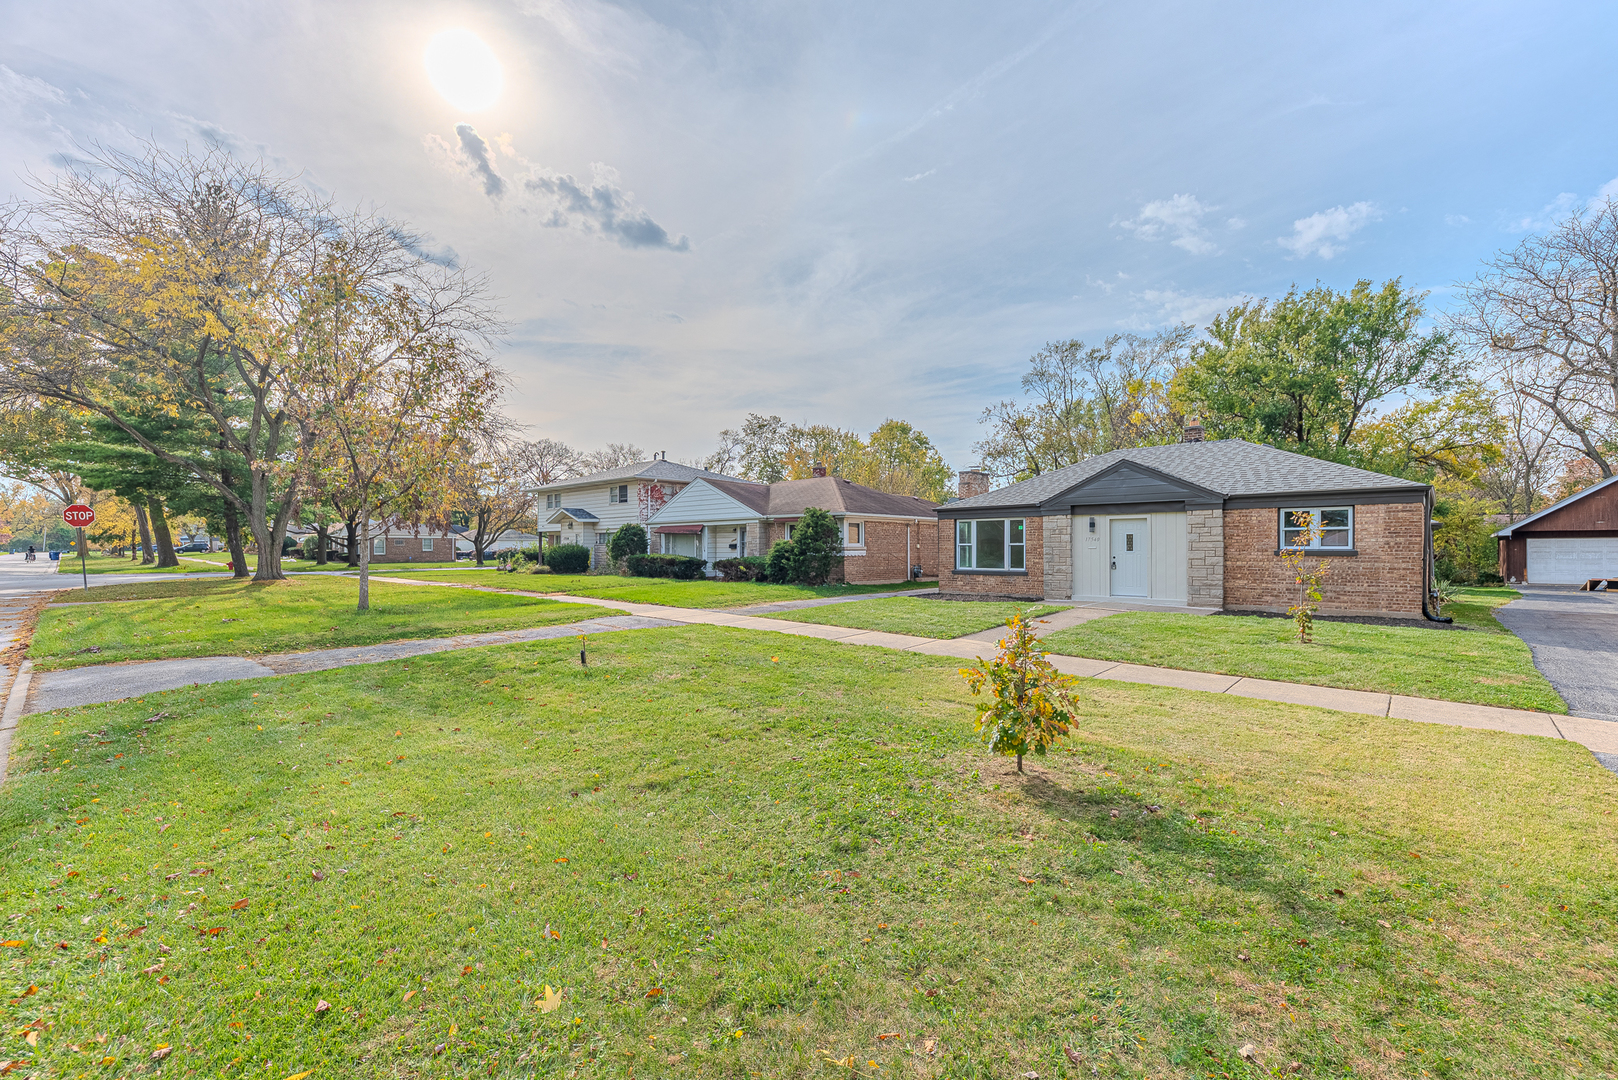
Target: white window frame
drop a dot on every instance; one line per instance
(1015, 552)
(855, 529)
(379, 545)
(1318, 512)
(426, 543)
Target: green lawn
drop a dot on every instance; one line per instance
(1487, 665)
(918, 615)
(299, 565)
(96, 563)
(236, 618)
(692, 594)
(739, 855)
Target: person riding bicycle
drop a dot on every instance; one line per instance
(30, 554)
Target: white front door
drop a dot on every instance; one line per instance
(1571, 560)
(1131, 557)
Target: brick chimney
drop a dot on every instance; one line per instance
(817, 470)
(974, 482)
(1193, 430)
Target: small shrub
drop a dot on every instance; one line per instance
(750, 568)
(1308, 580)
(679, 567)
(539, 568)
(626, 541)
(1028, 707)
(781, 565)
(568, 558)
(817, 546)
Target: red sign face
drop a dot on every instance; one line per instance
(78, 515)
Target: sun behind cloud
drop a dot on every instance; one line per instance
(464, 70)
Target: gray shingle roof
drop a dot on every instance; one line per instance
(790, 498)
(1229, 467)
(656, 469)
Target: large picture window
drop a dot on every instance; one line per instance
(993, 544)
(1334, 523)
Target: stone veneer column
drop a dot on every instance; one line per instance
(1058, 551)
(1205, 558)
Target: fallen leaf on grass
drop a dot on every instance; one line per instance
(300, 1076)
(30, 992)
(12, 944)
(890, 1035)
(32, 1038)
(1073, 1056)
(238, 905)
(162, 1052)
(408, 995)
(551, 934)
(1025, 880)
(136, 932)
(551, 1000)
(317, 875)
(656, 991)
(322, 1007)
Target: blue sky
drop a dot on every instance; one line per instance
(840, 213)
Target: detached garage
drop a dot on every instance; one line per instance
(1573, 542)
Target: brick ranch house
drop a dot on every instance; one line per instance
(1195, 524)
(884, 536)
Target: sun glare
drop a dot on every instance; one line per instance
(464, 70)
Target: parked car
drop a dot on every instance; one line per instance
(194, 546)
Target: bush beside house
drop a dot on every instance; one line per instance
(568, 558)
(680, 567)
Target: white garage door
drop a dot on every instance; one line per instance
(1568, 560)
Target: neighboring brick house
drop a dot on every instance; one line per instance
(1196, 524)
(885, 537)
(1572, 542)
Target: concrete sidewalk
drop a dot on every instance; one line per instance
(1599, 736)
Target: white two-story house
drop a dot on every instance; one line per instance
(588, 509)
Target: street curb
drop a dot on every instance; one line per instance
(15, 702)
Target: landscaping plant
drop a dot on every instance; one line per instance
(626, 541)
(1028, 707)
(817, 548)
(568, 558)
(1307, 580)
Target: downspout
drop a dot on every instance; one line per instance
(1427, 561)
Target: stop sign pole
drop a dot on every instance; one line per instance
(78, 515)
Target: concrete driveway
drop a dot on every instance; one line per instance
(1574, 636)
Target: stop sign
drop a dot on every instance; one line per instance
(78, 515)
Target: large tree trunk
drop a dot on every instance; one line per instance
(321, 541)
(353, 527)
(233, 541)
(267, 531)
(145, 534)
(365, 571)
(160, 532)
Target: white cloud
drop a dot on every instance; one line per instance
(919, 176)
(1179, 217)
(19, 89)
(1456, 220)
(1325, 232)
(1177, 307)
(1560, 207)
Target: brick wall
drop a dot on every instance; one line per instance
(410, 550)
(1205, 558)
(885, 559)
(1029, 586)
(1385, 578)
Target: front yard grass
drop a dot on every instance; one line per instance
(1485, 665)
(168, 619)
(922, 616)
(97, 563)
(736, 854)
(688, 594)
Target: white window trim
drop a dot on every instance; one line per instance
(379, 545)
(860, 544)
(973, 546)
(426, 543)
(1317, 511)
